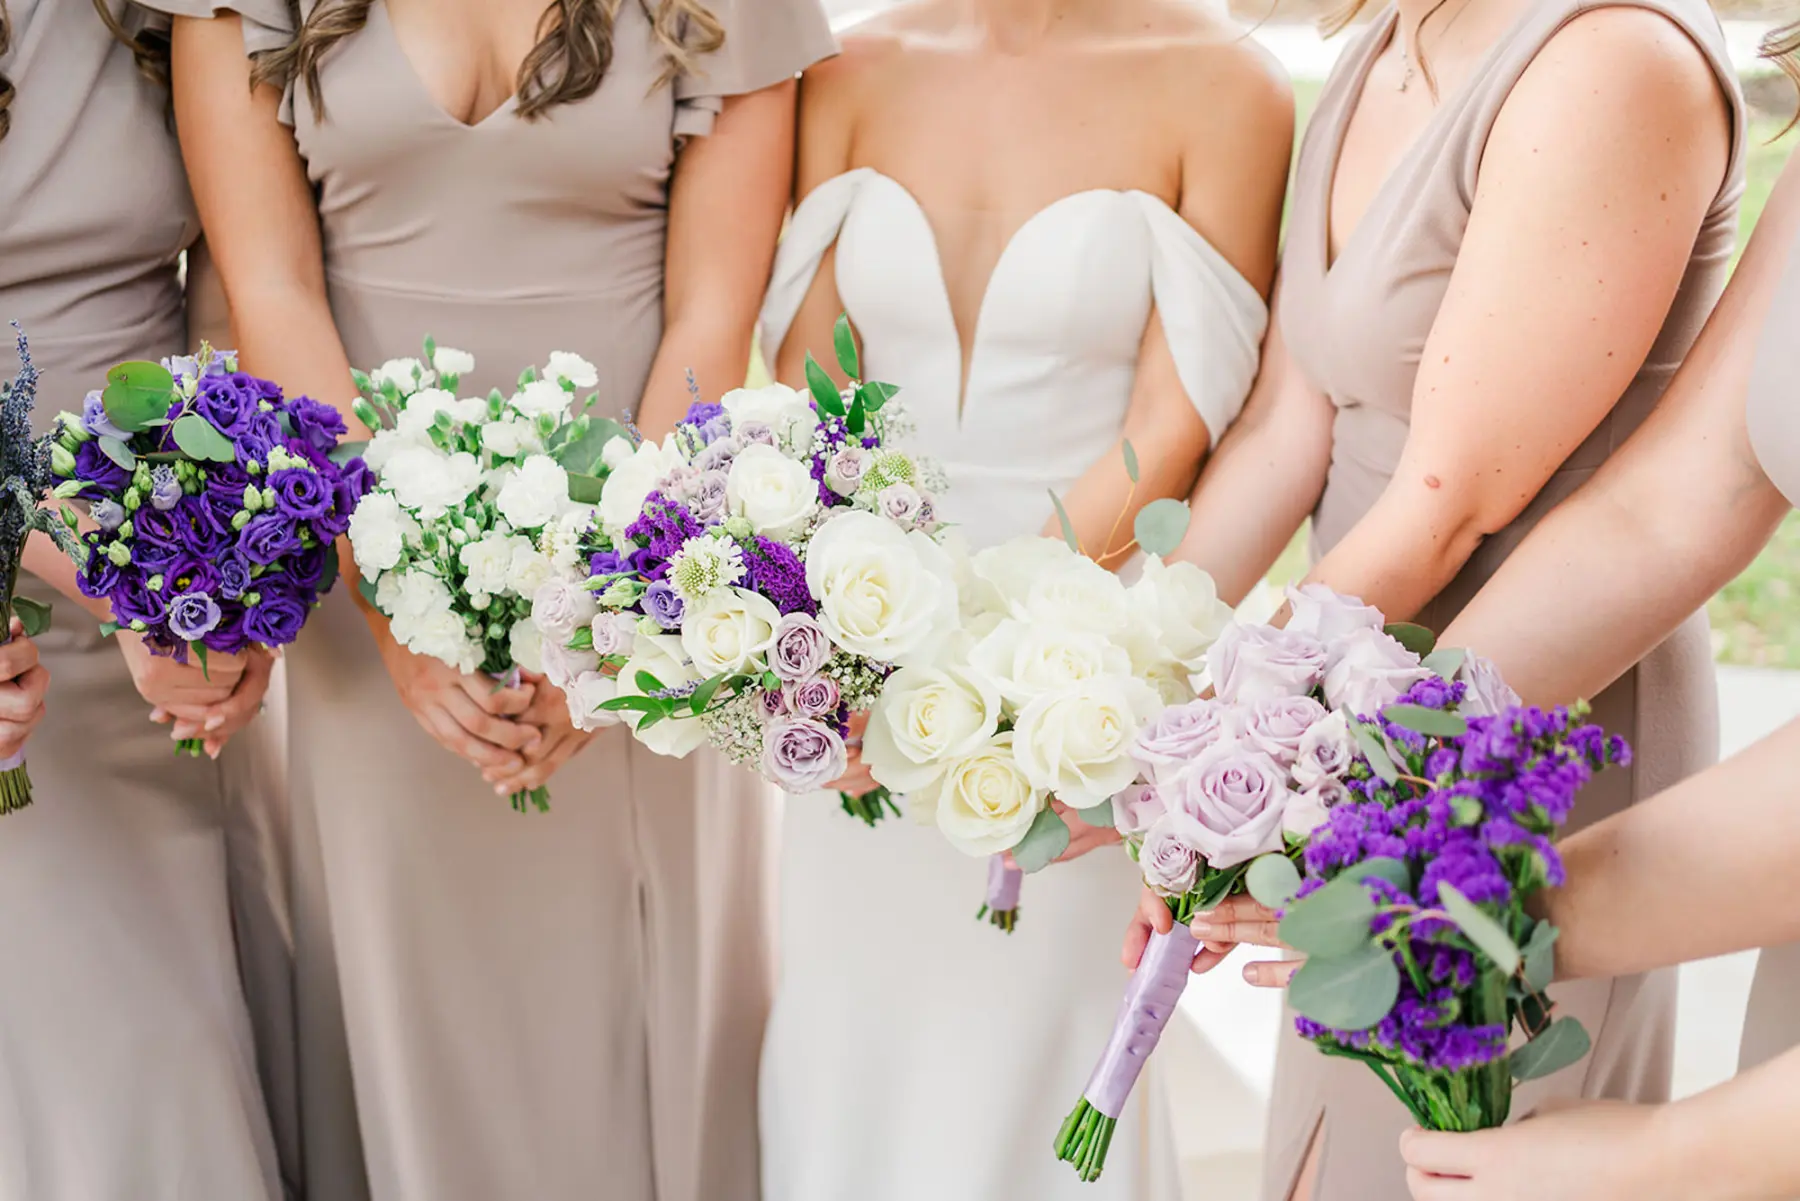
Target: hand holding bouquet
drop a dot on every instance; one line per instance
(761, 573)
(25, 481)
(479, 509)
(217, 503)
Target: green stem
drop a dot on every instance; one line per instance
(15, 790)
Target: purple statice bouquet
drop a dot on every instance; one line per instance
(214, 502)
(758, 576)
(1422, 958)
(24, 487)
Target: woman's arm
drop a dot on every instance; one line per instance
(726, 203)
(1669, 520)
(256, 205)
(1730, 1143)
(1236, 144)
(1579, 238)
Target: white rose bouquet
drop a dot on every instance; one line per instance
(757, 577)
(470, 542)
(1034, 708)
(1228, 789)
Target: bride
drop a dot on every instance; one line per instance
(1053, 223)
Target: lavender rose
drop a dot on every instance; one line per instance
(844, 470)
(1236, 796)
(300, 495)
(753, 433)
(772, 704)
(613, 633)
(1171, 857)
(1180, 735)
(709, 496)
(1369, 671)
(801, 648)
(1306, 811)
(1326, 751)
(1486, 693)
(1258, 663)
(560, 607)
(813, 698)
(1277, 727)
(802, 756)
(899, 503)
(1137, 809)
(664, 605)
(192, 615)
(1325, 615)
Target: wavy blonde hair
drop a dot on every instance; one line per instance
(1782, 47)
(150, 50)
(573, 52)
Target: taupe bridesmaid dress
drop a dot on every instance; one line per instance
(559, 1006)
(1772, 1023)
(127, 1071)
(1357, 327)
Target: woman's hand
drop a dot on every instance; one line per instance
(169, 685)
(1238, 920)
(216, 724)
(24, 682)
(856, 779)
(559, 741)
(1153, 917)
(1572, 1151)
(469, 716)
(1083, 837)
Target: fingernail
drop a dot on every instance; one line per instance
(1200, 929)
(213, 723)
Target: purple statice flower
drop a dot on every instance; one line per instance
(663, 605)
(663, 528)
(1433, 693)
(774, 571)
(95, 421)
(192, 615)
(165, 489)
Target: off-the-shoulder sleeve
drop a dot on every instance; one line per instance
(811, 231)
(766, 41)
(267, 25)
(1213, 317)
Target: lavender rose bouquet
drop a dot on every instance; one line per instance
(25, 481)
(217, 504)
(760, 574)
(1232, 786)
(1422, 957)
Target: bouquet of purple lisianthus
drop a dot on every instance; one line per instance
(216, 504)
(24, 487)
(1422, 957)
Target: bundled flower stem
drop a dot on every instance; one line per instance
(1005, 881)
(25, 481)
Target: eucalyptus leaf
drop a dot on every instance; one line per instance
(137, 394)
(343, 452)
(1486, 933)
(1415, 638)
(1273, 880)
(1161, 525)
(1068, 527)
(1540, 956)
(1434, 723)
(1563, 1044)
(119, 452)
(582, 454)
(200, 441)
(825, 393)
(1347, 992)
(1131, 461)
(1099, 816)
(33, 615)
(585, 489)
(1331, 922)
(845, 343)
(1374, 749)
(1047, 838)
(1382, 867)
(1446, 662)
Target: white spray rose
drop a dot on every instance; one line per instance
(429, 482)
(529, 569)
(776, 494)
(487, 561)
(985, 803)
(1077, 742)
(421, 412)
(379, 530)
(635, 474)
(925, 718)
(585, 694)
(542, 398)
(572, 368)
(452, 362)
(1028, 659)
(538, 492)
(525, 643)
(882, 592)
(729, 631)
(405, 374)
(507, 438)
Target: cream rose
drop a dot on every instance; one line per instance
(925, 718)
(1004, 574)
(775, 494)
(729, 631)
(985, 802)
(782, 409)
(661, 655)
(1079, 594)
(1027, 660)
(882, 592)
(634, 476)
(1077, 742)
(1179, 605)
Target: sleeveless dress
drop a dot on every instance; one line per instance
(127, 1070)
(914, 1051)
(550, 1006)
(1772, 1023)
(1357, 328)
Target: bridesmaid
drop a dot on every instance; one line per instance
(1480, 299)
(527, 1006)
(127, 1069)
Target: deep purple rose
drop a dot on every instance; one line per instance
(300, 495)
(197, 531)
(664, 606)
(192, 615)
(132, 600)
(228, 637)
(231, 402)
(101, 575)
(261, 434)
(319, 425)
(93, 467)
(349, 484)
(267, 538)
(234, 576)
(306, 566)
(276, 620)
(189, 574)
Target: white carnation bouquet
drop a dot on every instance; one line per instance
(1032, 711)
(480, 508)
(757, 576)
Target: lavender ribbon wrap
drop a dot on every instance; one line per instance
(12, 762)
(1003, 885)
(1150, 1001)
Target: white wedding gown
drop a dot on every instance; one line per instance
(915, 1053)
